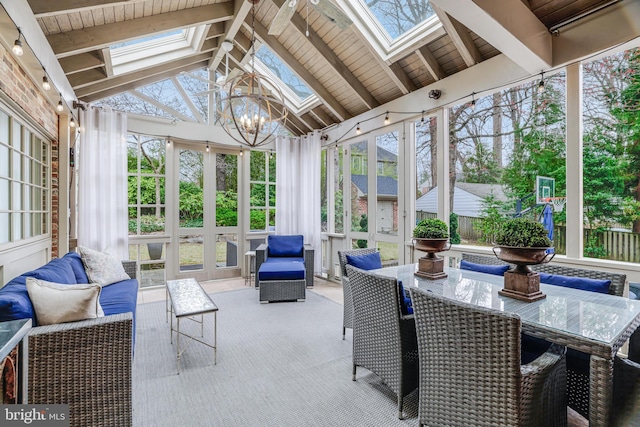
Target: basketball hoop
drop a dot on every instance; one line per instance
(557, 202)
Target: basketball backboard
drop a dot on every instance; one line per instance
(545, 188)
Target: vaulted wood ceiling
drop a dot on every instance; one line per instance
(339, 65)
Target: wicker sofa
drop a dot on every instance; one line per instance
(85, 364)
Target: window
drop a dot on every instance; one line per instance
(262, 188)
(24, 180)
(399, 16)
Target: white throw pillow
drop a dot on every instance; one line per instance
(103, 268)
(59, 303)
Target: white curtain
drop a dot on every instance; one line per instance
(298, 189)
(102, 181)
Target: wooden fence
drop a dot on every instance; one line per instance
(619, 245)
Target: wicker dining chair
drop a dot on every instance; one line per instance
(625, 410)
(347, 316)
(384, 340)
(471, 372)
(482, 259)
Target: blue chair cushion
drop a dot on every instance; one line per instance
(406, 305)
(74, 260)
(15, 302)
(497, 270)
(121, 297)
(592, 285)
(287, 270)
(286, 246)
(57, 271)
(365, 262)
(285, 259)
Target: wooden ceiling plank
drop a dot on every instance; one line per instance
(241, 9)
(88, 77)
(403, 79)
(322, 116)
(77, 41)
(168, 67)
(108, 65)
(81, 62)
(310, 121)
(514, 30)
(124, 87)
(43, 8)
(305, 76)
(460, 37)
(215, 30)
(431, 63)
(343, 72)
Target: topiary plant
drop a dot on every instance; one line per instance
(523, 232)
(431, 228)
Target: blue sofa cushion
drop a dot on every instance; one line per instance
(57, 271)
(74, 260)
(120, 297)
(406, 305)
(497, 270)
(592, 285)
(286, 246)
(15, 302)
(287, 270)
(365, 262)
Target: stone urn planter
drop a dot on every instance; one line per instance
(523, 242)
(431, 235)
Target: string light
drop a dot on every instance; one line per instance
(72, 123)
(541, 84)
(241, 152)
(207, 148)
(422, 119)
(60, 106)
(168, 142)
(17, 45)
(358, 130)
(386, 118)
(45, 82)
(473, 101)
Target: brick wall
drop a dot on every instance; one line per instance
(17, 85)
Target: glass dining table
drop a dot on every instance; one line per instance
(594, 323)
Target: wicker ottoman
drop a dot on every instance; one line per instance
(282, 280)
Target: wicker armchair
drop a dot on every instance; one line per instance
(384, 341)
(471, 372)
(482, 259)
(626, 392)
(347, 317)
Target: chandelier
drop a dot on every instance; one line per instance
(252, 109)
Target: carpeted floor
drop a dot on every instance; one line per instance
(279, 364)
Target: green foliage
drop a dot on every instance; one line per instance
(364, 226)
(594, 247)
(191, 201)
(481, 167)
(492, 217)
(523, 232)
(453, 228)
(148, 224)
(226, 209)
(431, 228)
(257, 219)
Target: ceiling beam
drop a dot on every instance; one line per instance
(460, 37)
(402, 79)
(87, 39)
(310, 121)
(215, 30)
(172, 68)
(304, 75)
(88, 77)
(42, 8)
(431, 63)
(322, 116)
(513, 29)
(343, 72)
(81, 62)
(124, 87)
(241, 9)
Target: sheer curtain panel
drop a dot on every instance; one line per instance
(298, 189)
(102, 181)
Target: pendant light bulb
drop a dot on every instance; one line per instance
(241, 152)
(17, 45)
(45, 83)
(72, 122)
(207, 148)
(386, 118)
(541, 86)
(358, 131)
(60, 106)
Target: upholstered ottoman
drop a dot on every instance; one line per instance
(282, 280)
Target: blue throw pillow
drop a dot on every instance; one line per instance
(365, 262)
(497, 270)
(289, 246)
(586, 284)
(57, 270)
(15, 302)
(406, 305)
(74, 260)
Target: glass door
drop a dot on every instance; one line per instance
(207, 213)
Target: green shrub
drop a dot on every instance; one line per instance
(148, 224)
(523, 232)
(431, 228)
(453, 227)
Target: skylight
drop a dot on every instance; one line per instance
(399, 16)
(280, 70)
(148, 38)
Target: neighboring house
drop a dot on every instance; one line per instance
(467, 198)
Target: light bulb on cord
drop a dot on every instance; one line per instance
(207, 148)
(241, 152)
(72, 123)
(60, 106)
(358, 131)
(45, 83)
(17, 45)
(386, 118)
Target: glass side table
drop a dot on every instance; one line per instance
(12, 334)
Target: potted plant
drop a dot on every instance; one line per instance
(523, 242)
(431, 235)
(150, 224)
